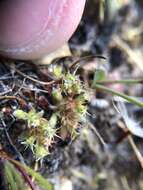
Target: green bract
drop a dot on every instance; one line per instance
(40, 132)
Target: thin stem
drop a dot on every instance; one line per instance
(126, 97)
(125, 81)
(11, 143)
(36, 80)
(84, 59)
(11, 98)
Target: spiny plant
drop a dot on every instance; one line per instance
(69, 99)
(40, 132)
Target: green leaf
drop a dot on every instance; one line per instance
(130, 99)
(9, 177)
(99, 75)
(42, 182)
(13, 177)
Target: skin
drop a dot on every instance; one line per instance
(30, 29)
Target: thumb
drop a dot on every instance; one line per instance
(31, 28)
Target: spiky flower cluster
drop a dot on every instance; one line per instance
(40, 132)
(69, 98)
